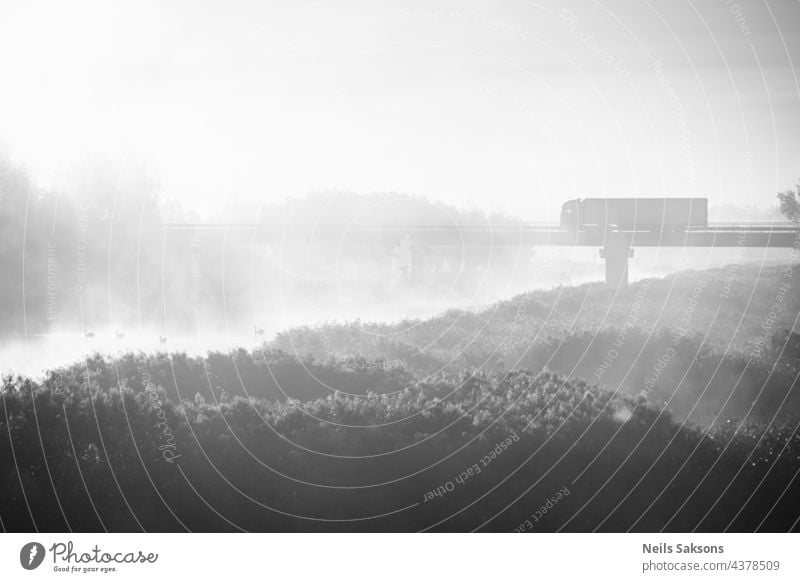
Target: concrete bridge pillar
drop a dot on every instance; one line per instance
(616, 253)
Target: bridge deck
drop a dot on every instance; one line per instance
(777, 235)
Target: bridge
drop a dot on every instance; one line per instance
(616, 247)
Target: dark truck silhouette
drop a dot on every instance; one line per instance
(650, 214)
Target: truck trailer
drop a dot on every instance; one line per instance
(634, 214)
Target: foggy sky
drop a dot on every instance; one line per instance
(508, 106)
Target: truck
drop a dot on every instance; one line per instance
(634, 214)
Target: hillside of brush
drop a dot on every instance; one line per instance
(469, 451)
(728, 306)
(708, 345)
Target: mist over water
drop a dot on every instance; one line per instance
(374, 295)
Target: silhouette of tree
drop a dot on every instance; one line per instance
(790, 203)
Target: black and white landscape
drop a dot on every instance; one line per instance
(420, 266)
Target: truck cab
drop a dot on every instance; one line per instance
(569, 215)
